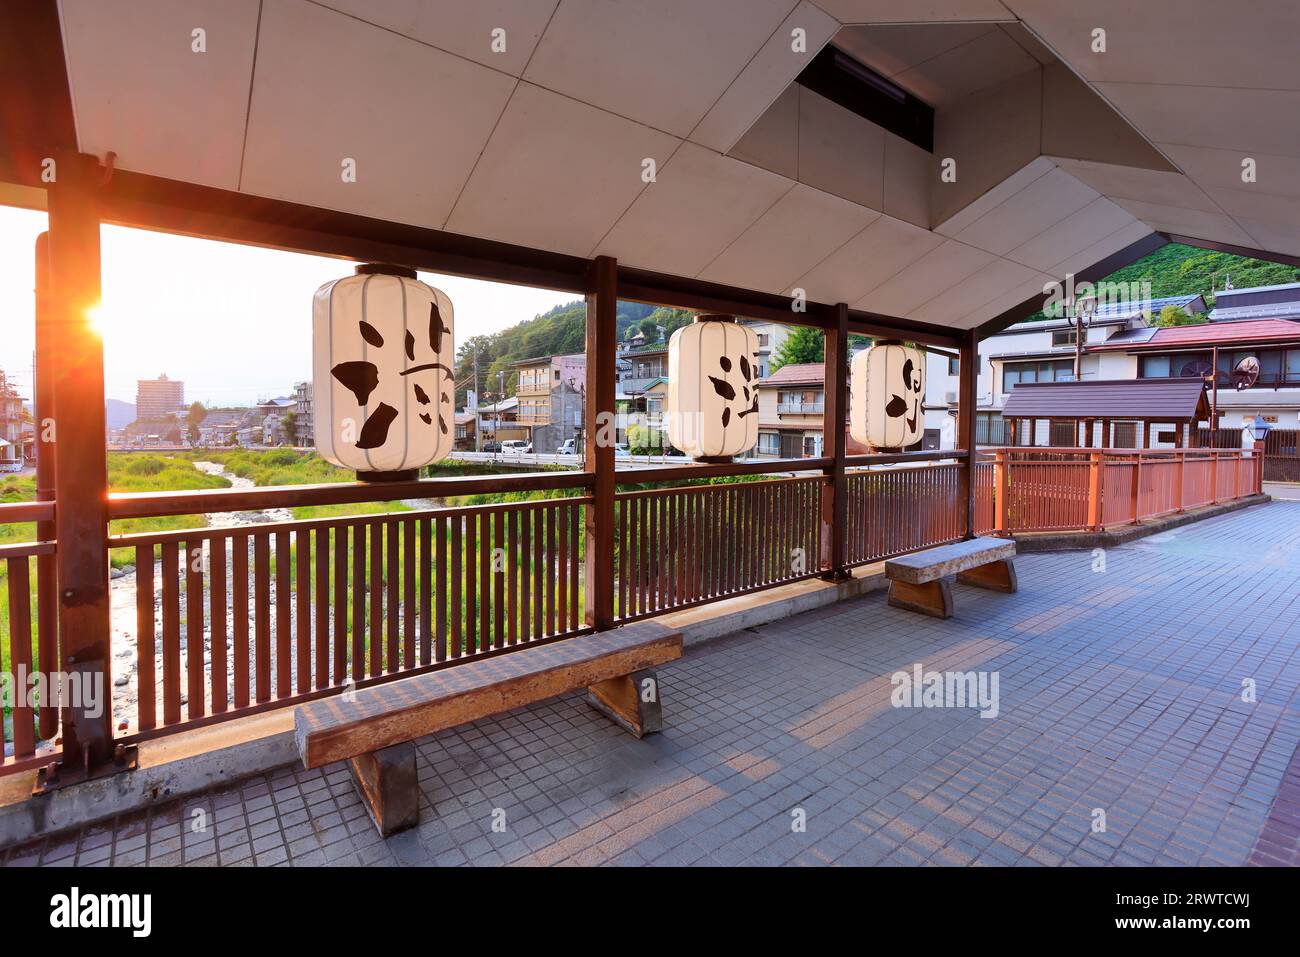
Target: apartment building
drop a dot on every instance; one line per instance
(549, 393)
(158, 398)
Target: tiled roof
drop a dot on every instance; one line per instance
(1161, 399)
(1212, 333)
(799, 373)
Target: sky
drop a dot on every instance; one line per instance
(232, 322)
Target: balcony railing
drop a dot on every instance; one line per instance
(800, 408)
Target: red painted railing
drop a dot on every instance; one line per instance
(1044, 490)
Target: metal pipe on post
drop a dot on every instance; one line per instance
(968, 376)
(598, 416)
(1137, 485)
(81, 472)
(47, 596)
(834, 511)
(1178, 480)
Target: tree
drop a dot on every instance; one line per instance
(804, 344)
(1177, 316)
(289, 428)
(650, 329)
(193, 419)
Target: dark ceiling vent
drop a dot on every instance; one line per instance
(856, 87)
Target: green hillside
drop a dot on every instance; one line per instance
(560, 331)
(1178, 270)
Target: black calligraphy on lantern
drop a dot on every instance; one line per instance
(908, 397)
(749, 402)
(361, 378)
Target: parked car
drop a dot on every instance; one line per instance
(621, 451)
(491, 447)
(6, 465)
(516, 447)
(568, 447)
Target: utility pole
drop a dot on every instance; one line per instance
(478, 436)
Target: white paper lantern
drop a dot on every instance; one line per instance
(712, 408)
(887, 396)
(382, 361)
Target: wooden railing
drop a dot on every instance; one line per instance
(236, 620)
(29, 638)
(1045, 490)
(897, 510)
(679, 547)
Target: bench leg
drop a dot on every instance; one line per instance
(933, 598)
(998, 576)
(385, 779)
(632, 701)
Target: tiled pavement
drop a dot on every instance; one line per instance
(1120, 690)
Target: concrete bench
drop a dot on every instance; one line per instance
(374, 728)
(919, 581)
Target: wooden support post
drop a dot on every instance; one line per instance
(968, 376)
(1146, 434)
(81, 480)
(1137, 485)
(47, 593)
(599, 417)
(1178, 482)
(834, 512)
(1001, 491)
(630, 701)
(1105, 433)
(1095, 491)
(386, 781)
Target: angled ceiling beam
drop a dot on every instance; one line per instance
(1247, 251)
(36, 119)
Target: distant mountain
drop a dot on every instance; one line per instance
(118, 414)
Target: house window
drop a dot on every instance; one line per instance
(1065, 337)
(763, 340)
(769, 443)
(1013, 373)
(954, 365)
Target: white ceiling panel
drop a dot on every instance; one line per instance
(801, 229)
(1193, 42)
(329, 89)
(1100, 250)
(1278, 237)
(663, 63)
(1191, 222)
(1078, 231)
(935, 272)
(889, 50)
(463, 27)
(883, 249)
(1003, 301)
(996, 196)
(839, 151)
(1211, 168)
(1151, 186)
(1043, 203)
(993, 280)
(764, 78)
(700, 203)
(985, 61)
(139, 89)
(557, 174)
(1247, 120)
